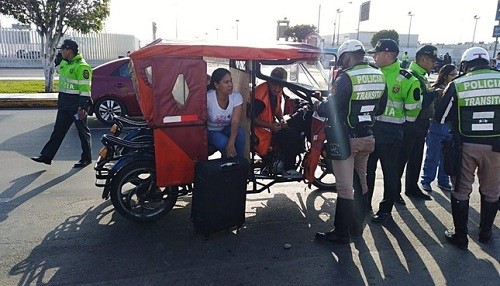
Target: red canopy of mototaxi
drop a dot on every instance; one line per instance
(180, 131)
(235, 51)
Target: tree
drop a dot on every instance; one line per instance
(384, 34)
(52, 19)
(299, 32)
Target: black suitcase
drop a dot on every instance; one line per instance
(219, 194)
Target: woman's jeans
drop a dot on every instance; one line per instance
(432, 163)
(219, 139)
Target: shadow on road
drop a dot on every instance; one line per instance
(99, 246)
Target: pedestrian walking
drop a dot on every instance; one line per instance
(414, 132)
(403, 104)
(73, 103)
(471, 105)
(437, 133)
(358, 94)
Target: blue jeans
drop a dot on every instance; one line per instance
(220, 138)
(437, 133)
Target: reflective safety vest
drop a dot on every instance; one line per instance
(264, 135)
(478, 94)
(401, 103)
(75, 77)
(368, 85)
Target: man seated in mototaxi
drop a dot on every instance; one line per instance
(270, 128)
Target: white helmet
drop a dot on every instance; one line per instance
(475, 53)
(351, 46)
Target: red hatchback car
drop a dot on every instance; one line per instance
(113, 92)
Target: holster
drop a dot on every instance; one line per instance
(451, 155)
(338, 143)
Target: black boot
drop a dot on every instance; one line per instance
(488, 213)
(460, 213)
(360, 209)
(343, 220)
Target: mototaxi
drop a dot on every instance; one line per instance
(170, 79)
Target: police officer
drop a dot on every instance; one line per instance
(471, 104)
(358, 94)
(73, 103)
(403, 104)
(414, 133)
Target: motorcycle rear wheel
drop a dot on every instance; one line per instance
(136, 197)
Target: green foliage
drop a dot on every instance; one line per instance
(58, 15)
(384, 34)
(52, 18)
(299, 32)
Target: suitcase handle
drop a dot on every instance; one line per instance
(228, 166)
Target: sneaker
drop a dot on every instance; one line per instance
(426, 187)
(446, 187)
(292, 174)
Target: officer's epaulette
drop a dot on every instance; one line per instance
(405, 73)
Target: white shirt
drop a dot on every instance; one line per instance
(218, 118)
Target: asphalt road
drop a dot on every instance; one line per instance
(55, 229)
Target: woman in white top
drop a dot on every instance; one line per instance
(225, 108)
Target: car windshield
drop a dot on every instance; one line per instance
(308, 74)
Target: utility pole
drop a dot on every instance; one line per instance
(409, 29)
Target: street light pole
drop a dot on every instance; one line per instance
(476, 17)
(338, 26)
(409, 29)
(237, 36)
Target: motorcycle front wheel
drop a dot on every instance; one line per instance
(136, 197)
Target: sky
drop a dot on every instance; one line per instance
(436, 21)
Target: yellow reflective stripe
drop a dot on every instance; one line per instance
(483, 92)
(70, 91)
(411, 119)
(412, 106)
(84, 82)
(372, 86)
(73, 81)
(390, 119)
(396, 104)
(479, 76)
(85, 93)
(367, 71)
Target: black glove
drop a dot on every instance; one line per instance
(58, 59)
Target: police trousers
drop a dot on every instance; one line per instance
(388, 153)
(64, 119)
(487, 163)
(356, 162)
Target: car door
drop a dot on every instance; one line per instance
(121, 82)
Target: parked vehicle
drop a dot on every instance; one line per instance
(145, 173)
(113, 91)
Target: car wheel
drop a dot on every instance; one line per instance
(107, 108)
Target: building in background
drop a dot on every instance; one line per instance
(20, 46)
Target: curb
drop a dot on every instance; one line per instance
(28, 100)
(21, 102)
